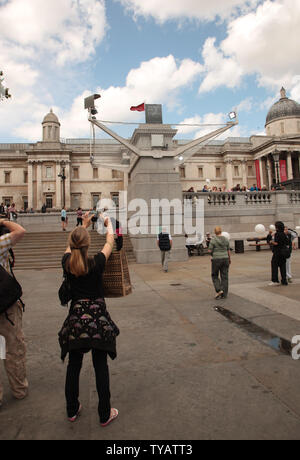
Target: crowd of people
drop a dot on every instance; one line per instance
(237, 188)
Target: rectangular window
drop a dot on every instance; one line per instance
(95, 199)
(298, 126)
(7, 200)
(75, 201)
(95, 173)
(116, 174)
(250, 171)
(75, 172)
(182, 171)
(49, 201)
(49, 172)
(25, 202)
(218, 172)
(200, 172)
(236, 171)
(7, 177)
(115, 198)
(282, 128)
(25, 177)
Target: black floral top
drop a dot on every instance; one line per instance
(87, 326)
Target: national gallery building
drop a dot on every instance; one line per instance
(57, 173)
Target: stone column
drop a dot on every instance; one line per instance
(58, 186)
(269, 169)
(39, 197)
(30, 185)
(229, 174)
(261, 172)
(289, 166)
(125, 180)
(244, 172)
(68, 185)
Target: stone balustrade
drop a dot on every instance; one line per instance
(237, 199)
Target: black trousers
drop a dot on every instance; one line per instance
(278, 262)
(119, 242)
(102, 382)
(79, 221)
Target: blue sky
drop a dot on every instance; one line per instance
(198, 59)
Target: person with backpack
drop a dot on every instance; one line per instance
(281, 252)
(292, 235)
(11, 315)
(164, 242)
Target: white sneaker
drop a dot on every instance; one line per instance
(273, 284)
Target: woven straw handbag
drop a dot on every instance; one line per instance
(116, 278)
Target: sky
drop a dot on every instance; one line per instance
(200, 59)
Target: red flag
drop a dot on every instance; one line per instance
(138, 108)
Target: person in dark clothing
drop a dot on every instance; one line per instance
(79, 217)
(88, 326)
(119, 239)
(164, 242)
(279, 246)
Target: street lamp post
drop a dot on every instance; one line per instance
(63, 178)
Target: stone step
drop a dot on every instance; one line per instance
(45, 249)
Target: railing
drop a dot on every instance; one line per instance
(295, 197)
(242, 199)
(258, 198)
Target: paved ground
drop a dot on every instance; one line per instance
(183, 371)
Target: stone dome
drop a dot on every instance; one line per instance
(283, 108)
(51, 118)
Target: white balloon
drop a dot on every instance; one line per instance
(272, 227)
(227, 236)
(260, 228)
(208, 181)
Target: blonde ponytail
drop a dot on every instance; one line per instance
(79, 241)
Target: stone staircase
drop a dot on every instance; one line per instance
(38, 251)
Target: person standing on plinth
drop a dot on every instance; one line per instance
(164, 242)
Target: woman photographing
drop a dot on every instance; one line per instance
(88, 326)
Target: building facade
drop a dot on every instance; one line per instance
(57, 173)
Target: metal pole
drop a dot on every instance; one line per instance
(63, 178)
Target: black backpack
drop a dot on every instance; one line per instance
(10, 291)
(164, 242)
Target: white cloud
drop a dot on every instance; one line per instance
(220, 70)
(262, 43)
(158, 80)
(212, 120)
(204, 10)
(69, 30)
(37, 38)
(265, 42)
